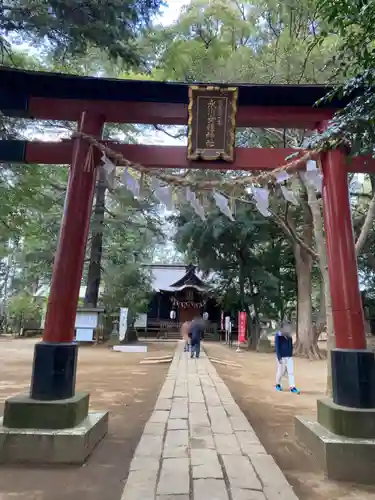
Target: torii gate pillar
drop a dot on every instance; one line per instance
(53, 404)
(343, 437)
(352, 364)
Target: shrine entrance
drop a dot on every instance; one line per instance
(188, 314)
(190, 296)
(212, 114)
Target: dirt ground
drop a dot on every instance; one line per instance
(116, 382)
(272, 416)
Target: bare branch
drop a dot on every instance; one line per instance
(366, 228)
(290, 232)
(173, 136)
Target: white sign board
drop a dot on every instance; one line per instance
(141, 321)
(130, 348)
(123, 322)
(86, 319)
(228, 324)
(84, 335)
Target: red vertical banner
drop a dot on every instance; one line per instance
(222, 320)
(241, 326)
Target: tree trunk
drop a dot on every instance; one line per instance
(315, 206)
(321, 320)
(366, 228)
(306, 344)
(94, 271)
(131, 333)
(252, 320)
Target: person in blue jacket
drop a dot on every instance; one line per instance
(196, 334)
(284, 354)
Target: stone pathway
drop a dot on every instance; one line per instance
(198, 445)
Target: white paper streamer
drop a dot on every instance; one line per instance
(189, 195)
(108, 165)
(263, 210)
(222, 203)
(110, 171)
(194, 202)
(199, 210)
(356, 185)
(162, 193)
(261, 196)
(111, 179)
(131, 183)
(282, 177)
(289, 195)
(314, 178)
(311, 166)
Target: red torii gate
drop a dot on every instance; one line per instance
(91, 102)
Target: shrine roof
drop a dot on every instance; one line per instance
(172, 277)
(190, 279)
(18, 86)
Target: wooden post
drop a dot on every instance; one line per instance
(352, 364)
(55, 358)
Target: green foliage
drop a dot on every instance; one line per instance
(132, 228)
(23, 309)
(33, 221)
(225, 41)
(247, 256)
(258, 42)
(32, 207)
(71, 27)
(353, 23)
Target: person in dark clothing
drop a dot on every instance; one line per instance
(284, 354)
(196, 334)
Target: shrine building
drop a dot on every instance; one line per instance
(180, 293)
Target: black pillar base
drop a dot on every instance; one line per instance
(54, 371)
(353, 378)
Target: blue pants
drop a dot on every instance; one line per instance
(195, 348)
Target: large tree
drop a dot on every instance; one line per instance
(71, 27)
(226, 42)
(352, 23)
(251, 260)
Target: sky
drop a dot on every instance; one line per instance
(172, 11)
(168, 15)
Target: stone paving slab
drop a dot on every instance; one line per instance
(240, 494)
(140, 485)
(174, 477)
(212, 489)
(198, 445)
(176, 444)
(177, 423)
(227, 444)
(172, 497)
(205, 464)
(154, 428)
(149, 446)
(241, 473)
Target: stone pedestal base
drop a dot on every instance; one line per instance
(342, 441)
(113, 339)
(341, 458)
(264, 345)
(346, 421)
(58, 446)
(24, 412)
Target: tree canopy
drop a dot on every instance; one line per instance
(262, 41)
(71, 27)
